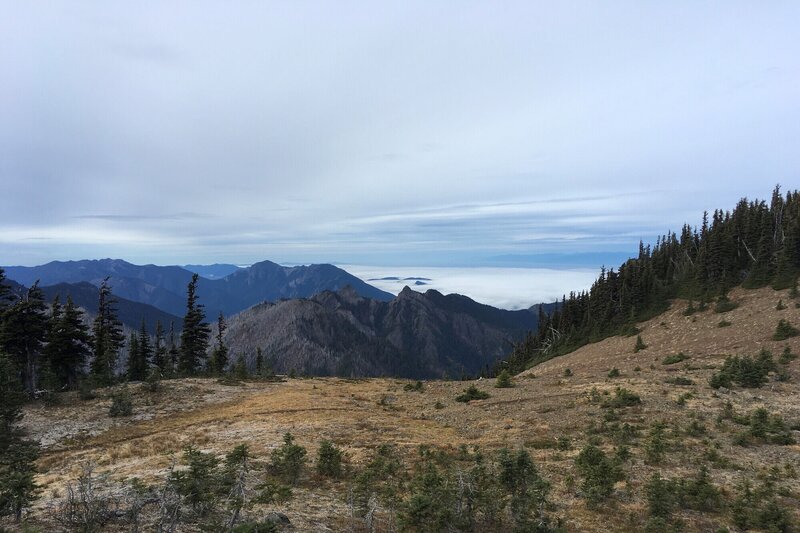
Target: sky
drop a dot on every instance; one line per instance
(393, 134)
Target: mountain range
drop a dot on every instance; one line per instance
(414, 335)
(316, 319)
(164, 287)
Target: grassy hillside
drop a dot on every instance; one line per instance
(554, 411)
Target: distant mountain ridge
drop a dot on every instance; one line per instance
(215, 271)
(415, 335)
(164, 287)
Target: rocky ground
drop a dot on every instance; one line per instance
(558, 399)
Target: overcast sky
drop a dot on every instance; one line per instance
(386, 133)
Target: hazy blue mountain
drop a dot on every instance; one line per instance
(130, 313)
(164, 287)
(215, 271)
(414, 335)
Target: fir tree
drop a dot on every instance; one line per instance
(17, 454)
(173, 353)
(139, 353)
(68, 344)
(22, 336)
(108, 337)
(219, 357)
(194, 337)
(160, 356)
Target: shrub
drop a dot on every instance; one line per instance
(288, 459)
(472, 393)
(675, 358)
(781, 306)
(784, 330)
(640, 345)
(614, 373)
(599, 473)
(746, 371)
(329, 459)
(680, 380)
(86, 389)
(121, 404)
(690, 309)
(724, 324)
(787, 356)
(623, 398)
(413, 387)
(199, 483)
(567, 372)
(504, 380)
(255, 527)
(724, 305)
(656, 445)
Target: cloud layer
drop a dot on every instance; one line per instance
(384, 133)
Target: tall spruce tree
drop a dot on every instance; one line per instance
(17, 454)
(173, 353)
(139, 354)
(219, 357)
(22, 336)
(160, 350)
(194, 337)
(68, 343)
(108, 337)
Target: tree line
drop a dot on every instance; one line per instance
(755, 245)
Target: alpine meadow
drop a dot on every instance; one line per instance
(399, 267)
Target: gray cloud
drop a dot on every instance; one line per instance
(413, 132)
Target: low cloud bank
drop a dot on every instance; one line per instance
(507, 288)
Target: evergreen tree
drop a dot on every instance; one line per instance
(194, 337)
(68, 344)
(259, 362)
(160, 356)
(17, 454)
(219, 357)
(139, 353)
(22, 336)
(173, 353)
(108, 337)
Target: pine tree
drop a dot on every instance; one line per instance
(173, 353)
(17, 454)
(194, 337)
(139, 353)
(22, 336)
(108, 337)
(160, 361)
(259, 362)
(219, 357)
(68, 343)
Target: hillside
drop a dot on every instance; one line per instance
(551, 412)
(414, 335)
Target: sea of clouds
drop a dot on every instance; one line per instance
(506, 288)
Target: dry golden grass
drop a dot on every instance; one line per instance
(543, 406)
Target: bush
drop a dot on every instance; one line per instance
(413, 387)
(599, 473)
(781, 306)
(121, 404)
(255, 527)
(787, 356)
(614, 373)
(679, 381)
(724, 305)
(86, 389)
(676, 358)
(784, 330)
(472, 393)
(746, 371)
(329, 459)
(656, 445)
(640, 345)
(288, 459)
(690, 309)
(504, 380)
(199, 483)
(724, 324)
(623, 398)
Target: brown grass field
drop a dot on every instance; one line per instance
(544, 405)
